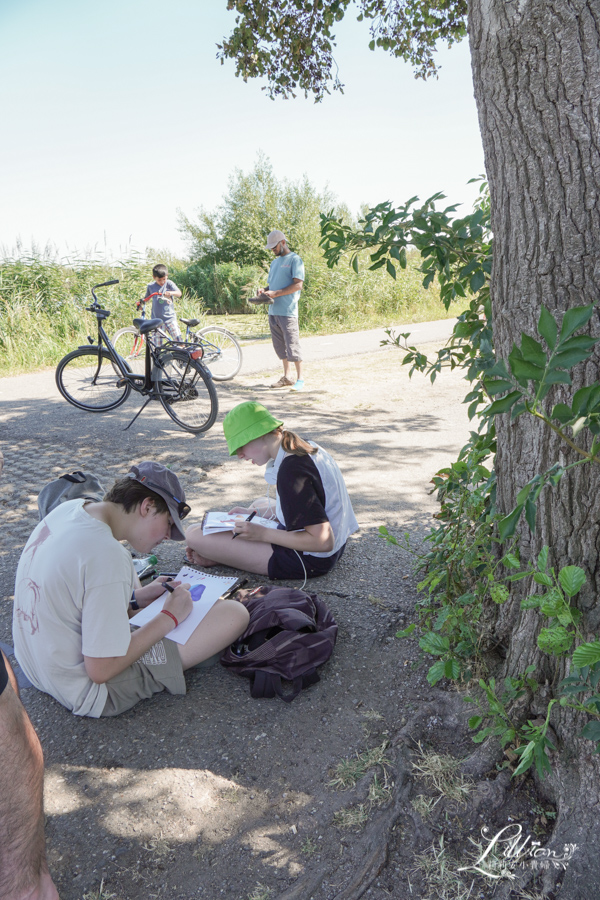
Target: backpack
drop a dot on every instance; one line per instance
(289, 635)
(69, 487)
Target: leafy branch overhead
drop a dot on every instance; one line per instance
(291, 43)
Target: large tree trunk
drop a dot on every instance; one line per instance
(536, 71)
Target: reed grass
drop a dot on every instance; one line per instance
(43, 300)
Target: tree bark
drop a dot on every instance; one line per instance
(536, 74)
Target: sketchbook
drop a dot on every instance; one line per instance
(205, 590)
(215, 522)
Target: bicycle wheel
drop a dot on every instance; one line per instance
(131, 345)
(87, 379)
(222, 352)
(186, 391)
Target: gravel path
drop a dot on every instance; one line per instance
(212, 794)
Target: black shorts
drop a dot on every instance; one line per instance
(284, 563)
(3, 673)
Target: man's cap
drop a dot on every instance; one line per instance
(166, 484)
(274, 238)
(246, 422)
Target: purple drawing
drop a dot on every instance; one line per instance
(196, 591)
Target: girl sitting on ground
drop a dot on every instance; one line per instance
(312, 506)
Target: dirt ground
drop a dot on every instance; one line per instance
(214, 794)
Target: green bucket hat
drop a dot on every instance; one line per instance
(246, 422)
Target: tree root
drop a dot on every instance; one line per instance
(372, 847)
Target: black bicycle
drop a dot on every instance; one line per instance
(96, 378)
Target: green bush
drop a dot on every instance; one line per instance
(223, 287)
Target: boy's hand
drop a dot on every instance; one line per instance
(144, 596)
(180, 602)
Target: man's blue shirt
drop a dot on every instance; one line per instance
(281, 274)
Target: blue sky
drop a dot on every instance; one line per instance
(118, 113)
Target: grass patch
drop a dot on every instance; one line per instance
(260, 892)
(439, 872)
(441, 774)
(100, 894)
(349, 771)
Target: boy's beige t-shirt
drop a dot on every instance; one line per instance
(73, 587)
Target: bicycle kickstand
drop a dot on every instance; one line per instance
(139, 412)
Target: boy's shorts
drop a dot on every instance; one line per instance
(286, 337)
(159, 669)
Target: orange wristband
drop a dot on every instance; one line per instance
(170, 615)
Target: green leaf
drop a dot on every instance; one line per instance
(355, 264)
(391, 269)
(542, 578)
(592, 731)
(547, 327)
(452, 669)
(511, 560)
(435, 644)
(531, 602)
(504, 404)
(563, 413)
(406, 631)
(477, 281)
(436, 672)
(569, 358)
(508, 524)
(526, 754)
(571, 579)
(531, 513)
(587, 654)
(533, 351)
(497, 386)
(523, 370)
(575, 318)
(555, 640)
(542, 560)
(475, 722)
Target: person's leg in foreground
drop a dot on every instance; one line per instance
(24, 871)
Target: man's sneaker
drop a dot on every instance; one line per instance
(299, 386)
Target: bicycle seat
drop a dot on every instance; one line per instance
(146, 325)
(191, 323)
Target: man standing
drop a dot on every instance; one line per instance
(286, 277)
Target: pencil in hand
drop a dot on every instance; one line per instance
(249, 519)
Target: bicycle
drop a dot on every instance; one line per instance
(97, 379)
(221, 350)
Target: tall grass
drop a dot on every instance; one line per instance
(42, 306)
(43, 300)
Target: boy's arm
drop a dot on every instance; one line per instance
(102, 668)
(173, 291)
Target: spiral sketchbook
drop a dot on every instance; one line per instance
(205, 590)
(215, 522)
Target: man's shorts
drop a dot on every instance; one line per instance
(159, 669)
(286, 337)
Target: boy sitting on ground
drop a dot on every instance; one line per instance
(164, 291)
(74, 586)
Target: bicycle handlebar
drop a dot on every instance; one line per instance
(106, 283)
